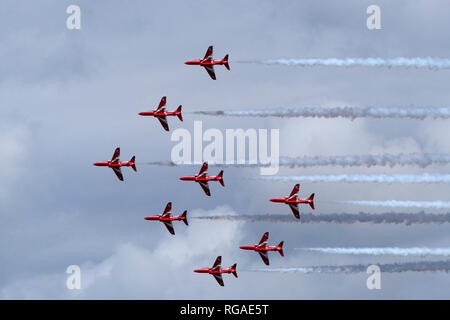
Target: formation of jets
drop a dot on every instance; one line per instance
(202, 178)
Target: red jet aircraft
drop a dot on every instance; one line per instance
(293, 201)
(161, 113)
(217, 270)
(262, 248)
(115, 164)
(167, 218)
(202, 178)
(208, 62)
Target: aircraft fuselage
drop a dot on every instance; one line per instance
(260, 248)
(215, 271)
(196, 178)
(154, 113)
(113, 164)
(200, 62)
(160, 218)
(287, 200)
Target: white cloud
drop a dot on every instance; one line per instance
(13, 146)
(161, 270)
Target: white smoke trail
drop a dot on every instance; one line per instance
(418, 113)
(398, 62)
(413, 251)
(340, 218)
(402, 204)
(421, 160)
(375, 178)
(421, 266)
(418, 159)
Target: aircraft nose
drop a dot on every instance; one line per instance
(96, 163)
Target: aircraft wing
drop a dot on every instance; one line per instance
(218, 277)
(264, 239)
(294, 191)
(294, 208)
(116, 155)
(264, 256)
(210, 70)
(203, 170)
(209, 53)
(163, 121)
(169, 226)
(162, 104)
(167, 209)
(118, 173)
(217, 263)
(205, 187)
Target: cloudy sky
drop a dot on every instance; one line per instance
(69, 97)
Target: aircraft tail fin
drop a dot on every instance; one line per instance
(234, 272)
(280, 250)
(184, 216)
(179, 115)
(220, 175)
(311, 201)
(133, 163)
(225, 59)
